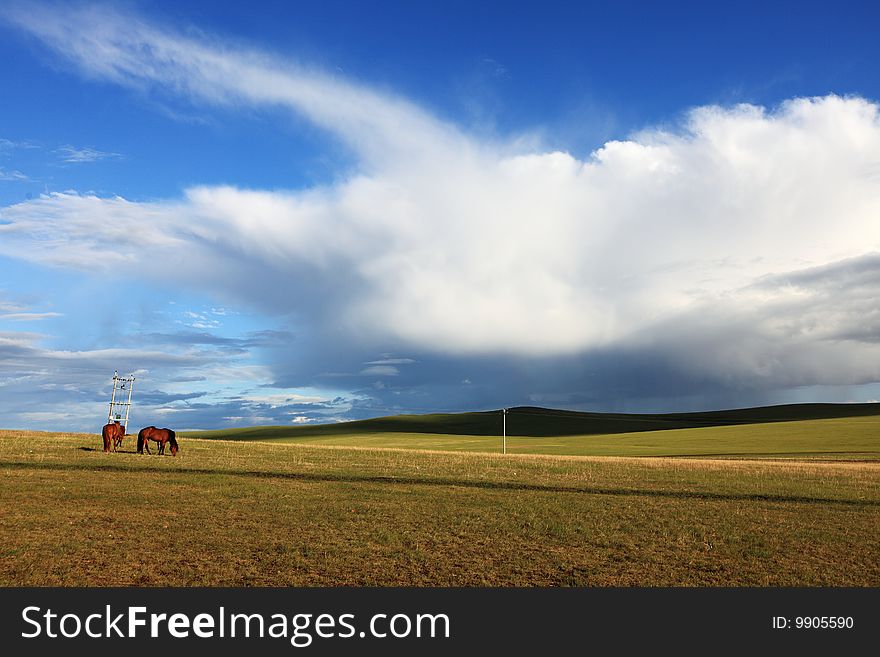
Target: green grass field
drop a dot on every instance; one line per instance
(232, 513)
(853, 438)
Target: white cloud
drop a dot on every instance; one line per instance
(17, 312)
(283, 399)
(72, 230)
(7, 145)
(380, 370)
(28, 317)
(14, 175)
(126, 49)
(680, 241)
(73, 155)
(198, 320)
(391, 361)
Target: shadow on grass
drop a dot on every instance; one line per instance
(95, 449)
(448, 482)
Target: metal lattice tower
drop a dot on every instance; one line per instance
(119, 409)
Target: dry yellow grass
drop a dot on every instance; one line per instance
(230, 513)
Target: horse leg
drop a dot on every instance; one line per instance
(162, 448)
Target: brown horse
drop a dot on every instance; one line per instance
(117, 441)
(112, 435)
(161, 436)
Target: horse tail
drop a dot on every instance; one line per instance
(140, 447)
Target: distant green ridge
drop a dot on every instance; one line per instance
(538, 422)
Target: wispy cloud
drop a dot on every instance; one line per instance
(73, 155)
(380, 370)
(18, 312)
(127, 49)
(8, 145)
(391, 361)
(15, 175)
(28, 317)
(199, 320)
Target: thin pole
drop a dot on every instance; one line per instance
(112, 398)
(504, 425)
(128, 408)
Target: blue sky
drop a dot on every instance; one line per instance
(284, 213)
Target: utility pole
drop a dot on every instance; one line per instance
(117, 408)
(504, 430)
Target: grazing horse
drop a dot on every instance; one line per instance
(112, 435)
(117, 441)
(161, 436)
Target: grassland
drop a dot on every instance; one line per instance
(849, 438)
(277, 514)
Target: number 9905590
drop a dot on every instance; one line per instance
(823, 622)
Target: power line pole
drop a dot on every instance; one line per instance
(504, 430)
(117, 408)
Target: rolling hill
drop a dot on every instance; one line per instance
(542, 422)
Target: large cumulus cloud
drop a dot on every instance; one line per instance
(738, 248)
